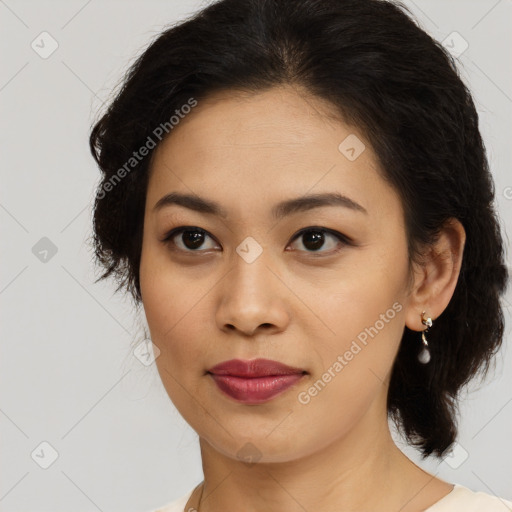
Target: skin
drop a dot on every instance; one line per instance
(249, 152)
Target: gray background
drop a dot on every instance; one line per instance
(68, 376)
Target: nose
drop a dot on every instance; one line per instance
(253, 298)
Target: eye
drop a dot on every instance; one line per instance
(315, 237)
(191, 238)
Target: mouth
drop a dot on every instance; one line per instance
(255, 381)
(254, 368)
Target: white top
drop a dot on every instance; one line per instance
(459, 499)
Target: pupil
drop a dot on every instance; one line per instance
(314, 238)
(194, 237)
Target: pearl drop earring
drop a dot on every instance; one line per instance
(424, 355)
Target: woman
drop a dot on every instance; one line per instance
(298, 195)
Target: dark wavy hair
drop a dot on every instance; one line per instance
(381, 73)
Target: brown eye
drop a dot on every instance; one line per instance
(314, 239)
(192, 239)
(187, 239)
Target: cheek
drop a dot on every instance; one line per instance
(353, 370)
(364, 347)
(172, 305)
(165, 291)
(362, 314)
(173, 318)
(168, 303)
(358, 295)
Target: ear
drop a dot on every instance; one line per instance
(435, 280)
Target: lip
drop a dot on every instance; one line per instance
(254, 368)
(255, 381)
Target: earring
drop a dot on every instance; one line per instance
(424, 355)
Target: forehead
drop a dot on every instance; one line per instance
(273, 144)
(277, 117)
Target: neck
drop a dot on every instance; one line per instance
(363, 469)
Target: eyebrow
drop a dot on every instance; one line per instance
(280, 210)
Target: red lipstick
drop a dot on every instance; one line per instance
(254, 381)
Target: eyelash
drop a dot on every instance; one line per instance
(343, 239)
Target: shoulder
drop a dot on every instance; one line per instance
(177, 505)
(460, 499)
(463, 499)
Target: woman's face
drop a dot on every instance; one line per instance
(251, 287)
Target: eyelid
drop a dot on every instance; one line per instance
(178, 230)
(342, 238)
